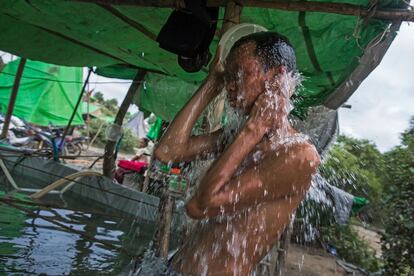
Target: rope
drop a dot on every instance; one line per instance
(61, 182)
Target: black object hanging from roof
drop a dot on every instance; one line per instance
(188, 33)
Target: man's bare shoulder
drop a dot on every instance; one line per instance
(297, 152)
(305, 150)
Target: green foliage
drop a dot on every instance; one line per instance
(111, 105)
(356, 166)
(94, 125)
(350, 247)
(129, 142)
(387, 180)
(397, 243)
(98, 97)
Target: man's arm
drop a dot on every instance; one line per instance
(276, 177)
(177, 144)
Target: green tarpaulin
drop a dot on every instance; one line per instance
(164, 95)
(119, 39)
(47, 93)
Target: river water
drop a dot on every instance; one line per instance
(35, 246)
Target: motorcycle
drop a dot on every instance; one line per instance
(74, 145)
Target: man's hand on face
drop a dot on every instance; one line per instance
(268, 111)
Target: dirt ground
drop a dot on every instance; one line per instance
(85, 162)
(305, 261)
(372, 238)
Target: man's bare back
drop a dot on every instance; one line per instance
(243, 202)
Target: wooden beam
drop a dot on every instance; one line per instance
(231, 16)
(311, 6)
(109, 157)
(163, 230)
(136, 25)
(13, 97)
(284, 247)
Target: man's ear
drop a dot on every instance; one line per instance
(276, 72)
(281, 69)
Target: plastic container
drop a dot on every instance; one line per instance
(235, 33)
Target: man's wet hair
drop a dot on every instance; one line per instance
(272, 49)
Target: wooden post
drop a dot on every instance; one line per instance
(109, 158)
(163, 231)
(13, 97)
(231, 16)
(283, 249)
(147, 178)
(88, 117)
(2, 65)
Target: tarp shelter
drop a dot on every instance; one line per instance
(334, 52)
(47, 93)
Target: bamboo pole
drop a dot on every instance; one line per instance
(284, 242)
(62, 181)
(109, 157)
(310, 6)
(65, 132)
(13, 97)
(88, 117)
(96, 135)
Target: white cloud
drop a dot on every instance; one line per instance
(384, 103)
(111, 88)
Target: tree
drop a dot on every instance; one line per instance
(111, 105)
(356, 166)
(99, 98)
(397, 243)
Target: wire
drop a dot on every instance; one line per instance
(69, 81)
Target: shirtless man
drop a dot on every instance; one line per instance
(249, 193)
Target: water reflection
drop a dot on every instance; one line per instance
(38, 246)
